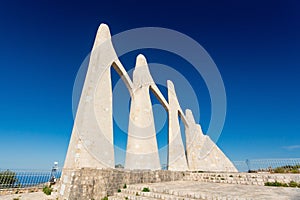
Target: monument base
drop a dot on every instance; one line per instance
(86, 183)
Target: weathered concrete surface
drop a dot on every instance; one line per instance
(176, 157)
(91, 143)
(95, 106)
(142, 151)
(179, 190)
(202, 153)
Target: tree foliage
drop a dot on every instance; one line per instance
(7, 179)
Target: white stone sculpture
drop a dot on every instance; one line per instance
(91, 143)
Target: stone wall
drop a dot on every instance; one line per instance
(91, 184)
(88, 184)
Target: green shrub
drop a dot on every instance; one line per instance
(287, 169)
(47, 190)
(293, 184)
(119, 190)
(230, 176)
(124, 186)
(146, 190)
(105, 198)
(276, 184)
(7, 179)
(279, 170)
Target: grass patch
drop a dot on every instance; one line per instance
(294, 184)
(278, 184)
(287, 169)
(47, 190)
(146, 189)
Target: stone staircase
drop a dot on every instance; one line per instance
(189, 190)
(134, 192)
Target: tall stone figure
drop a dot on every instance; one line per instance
(91, 143)
(176, 159)
(142, 151)
(202, 153)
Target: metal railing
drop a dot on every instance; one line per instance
(16, 178)
(27, 178)
(286, 165)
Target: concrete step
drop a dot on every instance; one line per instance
(119, 196)
(163, 193)
(150, 195)
(135, 192)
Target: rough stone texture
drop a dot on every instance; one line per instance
(202, 153)
(177, 159)
(142, 151)
(87, 183)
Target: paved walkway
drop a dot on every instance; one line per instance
(29, 196)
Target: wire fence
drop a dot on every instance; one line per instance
(288, 165)
(39, 178)
(27, 178)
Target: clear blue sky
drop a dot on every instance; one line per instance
(255, 44)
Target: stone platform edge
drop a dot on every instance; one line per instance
(86, 183)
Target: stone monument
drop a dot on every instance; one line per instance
(91, 143)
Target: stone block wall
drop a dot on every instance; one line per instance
(88, 184)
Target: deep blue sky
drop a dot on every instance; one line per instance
(255, 45)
